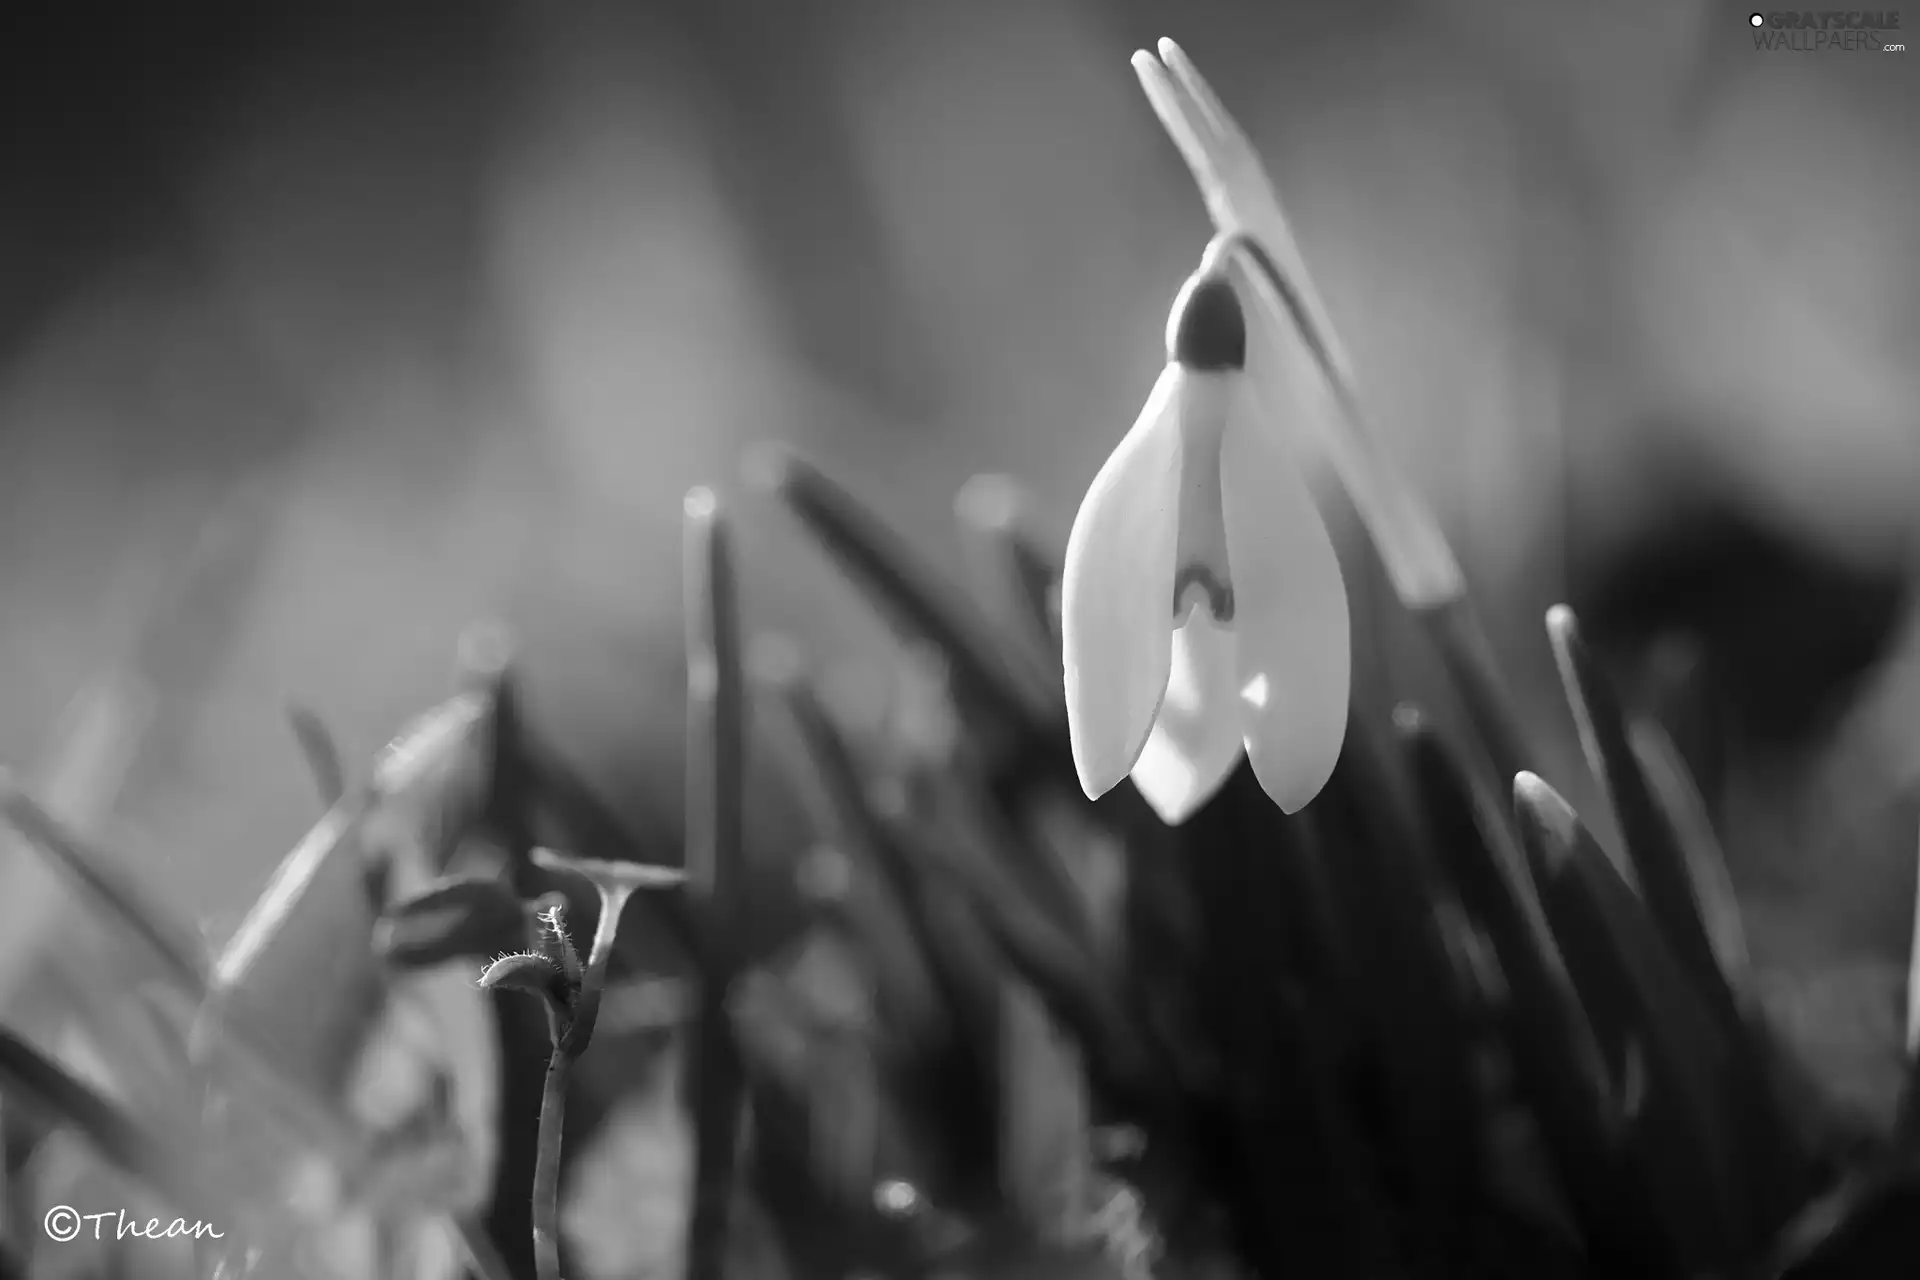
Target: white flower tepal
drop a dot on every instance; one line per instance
(1202, 607)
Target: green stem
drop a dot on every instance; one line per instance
(546, 1170)
(572, 1034)
(715, 768)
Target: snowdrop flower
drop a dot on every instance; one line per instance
(1287, 310)
(1202, 608)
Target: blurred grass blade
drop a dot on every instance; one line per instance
(969, 958)
(1913, 981)
(199, 600)
(942, 766)
(317, 748)
(1017, 582)
(174, 947)
(1907, 1125)
(826, 1228)
(878, 561)
(1681, 701)
(62, 966)
(1560, 1070)
(871, 892)
(30, 1078)
(1679, 801)
(1650, 1021)
(484, 665)
(432, 785)
(312, 921)
(1054, 959)
(1775, 1156)
(1045, 1154)
(1411, 997)
(85, 769)
(298, 994)
(716, 747)
(1659, 865)
(464, 918)
(1866, 1227)
(295, 992)
(1468, 659)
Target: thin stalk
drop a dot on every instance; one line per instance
(716, 750)
(570, 1041)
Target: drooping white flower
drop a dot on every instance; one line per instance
(1286, 308)
(1202, 607)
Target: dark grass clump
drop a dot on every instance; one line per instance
(1428, 1027)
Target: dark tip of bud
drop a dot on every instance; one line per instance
(1209, 332)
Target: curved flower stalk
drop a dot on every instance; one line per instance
(1241, 200)
(1202, 608)
(571, 992)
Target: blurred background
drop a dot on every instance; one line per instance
(327, 329)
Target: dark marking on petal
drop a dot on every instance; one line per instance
(1209, 332)
(1219, 594)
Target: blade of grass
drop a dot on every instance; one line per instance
(100, 879)
(1675, 865)
(260, 1045)
(311, 921)
(1016, 580)
(464, 917)
(955, 1084)
(1777, 1158)
(877, 560)
(876, 906)
(1044, 1153)
(85, 769)
(1467, 656)
(1280, 1144)
(1411, 994)
(1660, 869)
(1646, 1012)
(1557, 1061)
(950, 1071)
(1685, 811)
(1269, 988)
(716, 746)
(317, 748)
(30, 1078)
(1867, 1226)
(1907, 1125)
(1055, 960)
(826, 1228)
(1003, 804)
(432, 785)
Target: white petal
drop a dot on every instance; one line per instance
(1116, 593)
(1196, 740)
(1290, 620)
